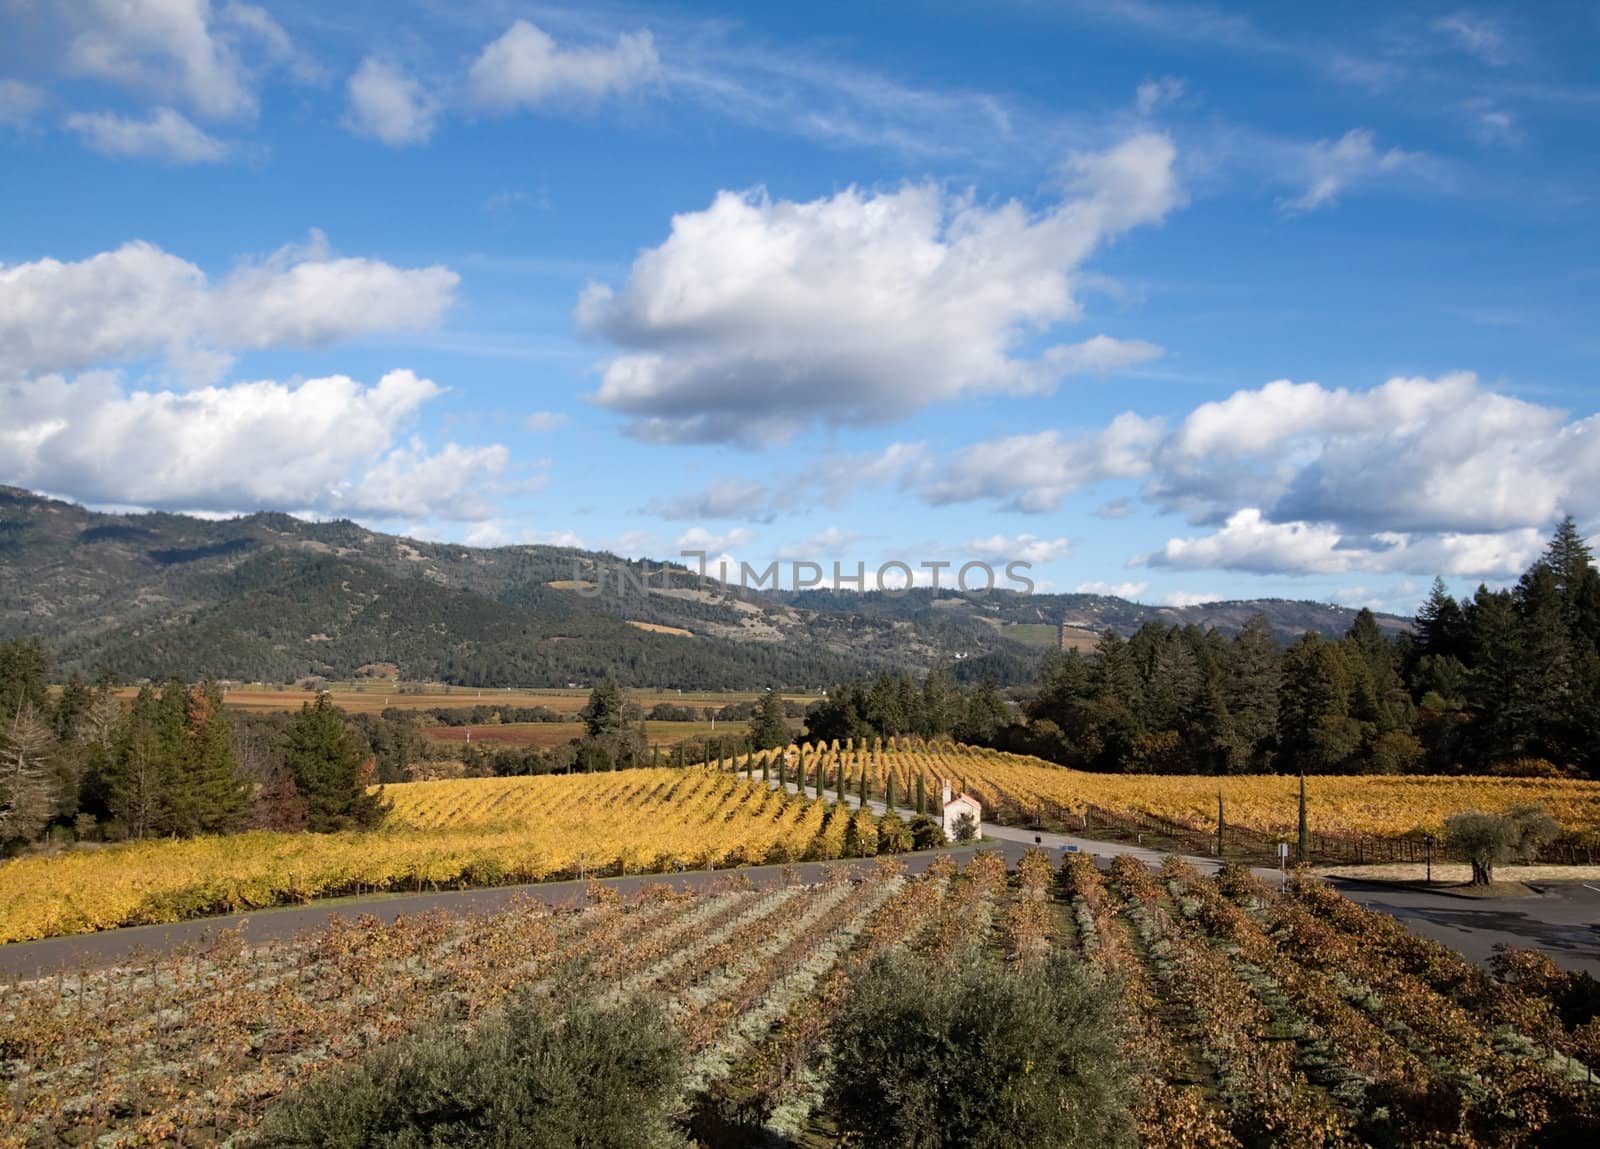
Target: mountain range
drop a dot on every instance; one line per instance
(270, 597)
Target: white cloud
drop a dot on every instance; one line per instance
(389, 105)
(19, 103)
(328, 445)
(829, 542)
(700, 539)
(722, 499)
(1181, 598)
(541, 421)
(1127, 590)
(1035, 473)
(1328, 167)
(1411, 455)
(140, 301)
(1153, 95)
(164, 135)
(1114, 509)
(1021, 548)
(186, 50)
(1477, 35)
(756, 317)
(499, 533)
(525, 67)
(1249, 542)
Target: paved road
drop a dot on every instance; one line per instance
(24, 959)
(1564, 922)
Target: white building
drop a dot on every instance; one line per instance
(954, 807)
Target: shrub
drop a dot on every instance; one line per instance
(927, 1059)
(966, 828)
(926, 833)
(602, 1076)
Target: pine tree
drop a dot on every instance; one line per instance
(605, 714)
(769, 725)
(330, 771)
(218, 790)
(26, 800)
(1253, 678)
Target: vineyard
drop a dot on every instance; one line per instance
(1253, 1017)
(476, 831)
(1015, 788)
(495, 831)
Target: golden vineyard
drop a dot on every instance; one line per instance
(1017, 787)
(496, 831)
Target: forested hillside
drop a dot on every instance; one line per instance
(272, 597)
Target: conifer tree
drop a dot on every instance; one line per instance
(329, 771)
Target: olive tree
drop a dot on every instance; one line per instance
(1490, 840)
(931, 1058)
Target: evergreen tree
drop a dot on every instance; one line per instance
(769, 726)
(26, 797)
(329, 771)
(606, 713)
(1253, 678)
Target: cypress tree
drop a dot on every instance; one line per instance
(765, 777)
(865, 790)
(888, 794)
(1305, 833)
(783, 774)
(1221, 823)
(922, 794)
(840, 780)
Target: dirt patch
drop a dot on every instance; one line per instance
(658, 628)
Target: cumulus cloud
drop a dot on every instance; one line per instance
(206, 56)
(1413, 454)
(163, 135)
(329, 445)
(1327, 167)
(1182, 598)
(19, 103)
(1021, 548)
(1249, 542)
(758, 316)
(389, 105)
(525, 67)
(139, 302)
(1035, 473)
(1127, 590)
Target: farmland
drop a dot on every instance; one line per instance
(493, 831)
(484, 831)
(544, 735)
(373, 696)
(1251, 1017)
(1015, 787)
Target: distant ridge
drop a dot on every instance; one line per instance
(271, 597)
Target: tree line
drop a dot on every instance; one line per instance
(1507, 682)
(80, 763)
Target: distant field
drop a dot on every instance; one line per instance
(545, 735)
(372, 697)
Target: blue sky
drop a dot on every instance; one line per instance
(1178, 301)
